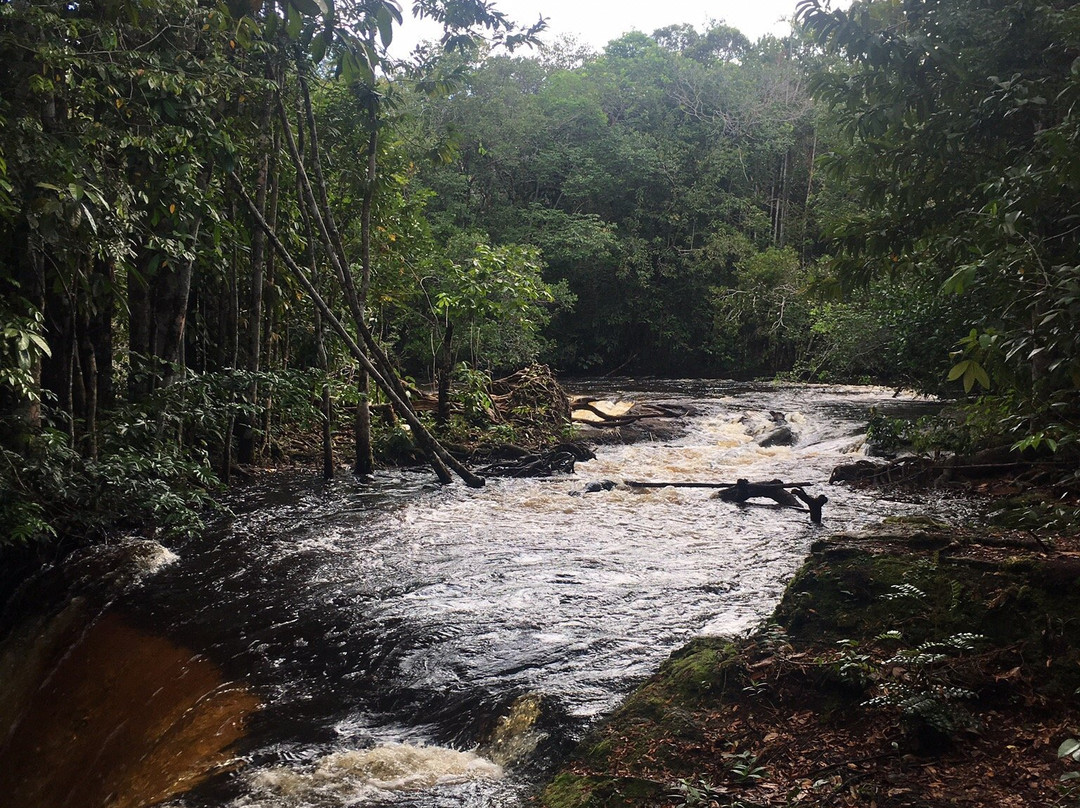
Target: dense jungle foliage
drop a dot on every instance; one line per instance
(225, 222)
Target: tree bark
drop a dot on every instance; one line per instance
(444, 368)
(101, 330)
(324, 360)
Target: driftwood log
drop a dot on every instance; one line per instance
(637, 413)
(739, 492)
(695, 484)
(560, 459)
(771, 489)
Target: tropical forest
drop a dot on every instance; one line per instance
(506, 421)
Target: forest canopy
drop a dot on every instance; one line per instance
(224, 221)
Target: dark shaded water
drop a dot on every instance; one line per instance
(424, 645)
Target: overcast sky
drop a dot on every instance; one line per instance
(597, 22)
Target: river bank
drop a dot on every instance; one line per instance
(909, 664)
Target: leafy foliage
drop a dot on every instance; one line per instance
(960, 117)
(22, 345)
(50, 489)
(924, 693)
(661, 179)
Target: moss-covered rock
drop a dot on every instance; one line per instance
(579, 791)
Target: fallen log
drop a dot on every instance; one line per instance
(558, 460)
(678, 484)
(598, 417)
(770, 489)
(785, 495)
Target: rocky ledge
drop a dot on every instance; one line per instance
(914, 664)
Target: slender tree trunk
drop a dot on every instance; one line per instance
(327, 402)
(268, 283)
(233, 335)
(138, 304)
(365, 459)
(101, 331)
(809, 192)
(245, 447)
(781, 211)
(58, 370)
(444, 368)
(90, 373)
(169, 312)
(324, 360)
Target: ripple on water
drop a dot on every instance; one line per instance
(441, 606)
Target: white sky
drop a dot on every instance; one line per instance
(597, 22)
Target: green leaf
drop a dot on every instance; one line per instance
(959, 369)
(294, 23)
(42, 345)
(385, 21)
(1069, 748)
(355, 67)
(308, 7)
(318, 47)
(980, 375)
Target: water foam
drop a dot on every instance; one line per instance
(153, 557)
(364, 774)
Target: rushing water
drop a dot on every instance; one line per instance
(424, 645)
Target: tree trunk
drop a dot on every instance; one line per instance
(444, 369)
(89, 373)
(365, 457)
(327, 402)
(246, 439)
(100, 330)
(233, 335)
(320, 351)
(168, 311)
(138, 304)
(58, 370)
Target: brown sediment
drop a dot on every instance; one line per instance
(125, 719)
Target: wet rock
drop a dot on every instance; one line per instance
(595, 487)
(95, 711)
(781, 436)
(771, 428)
(856, 472)
(108, 570)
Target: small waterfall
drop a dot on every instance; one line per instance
(361, 776)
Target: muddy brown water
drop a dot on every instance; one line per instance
(403, 643)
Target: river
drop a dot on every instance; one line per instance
(418, 645)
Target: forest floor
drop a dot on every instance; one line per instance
(913, 664)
